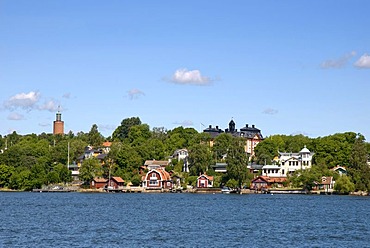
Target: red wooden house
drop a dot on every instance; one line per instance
(116, 182)
(205, 181)
(265, 182)
(98, 183)
(157, 179)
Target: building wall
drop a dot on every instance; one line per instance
(58, 127)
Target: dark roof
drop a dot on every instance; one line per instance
(246, 132)
(213, 131)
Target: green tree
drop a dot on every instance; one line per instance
(95, 139)
(306, 179)
(5, 174)
(221, 145)
(139, 134)
(359, 170)
(90, 168)
(237, 162)
(123, 130)
(200, 158)
(64, 174)
(344, 185)
(21, 179)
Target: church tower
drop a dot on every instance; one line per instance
(58, 127)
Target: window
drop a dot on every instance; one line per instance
(153, 182)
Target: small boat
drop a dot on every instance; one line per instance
(225, 190)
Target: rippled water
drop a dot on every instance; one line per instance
(182, 220)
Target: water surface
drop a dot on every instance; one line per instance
(182, 220)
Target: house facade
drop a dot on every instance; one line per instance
(326, 184)
(250, 134)
(288, 163)
(182, 155)
(262, 183)
(98, 183)
(116, 182)
(157, 179)
(205, 181)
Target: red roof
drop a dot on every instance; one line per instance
(107, 144)
(206, 176)
(269, 179)
(118, 179)
(100, 180)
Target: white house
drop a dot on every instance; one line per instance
(182, 154)
(288, 163)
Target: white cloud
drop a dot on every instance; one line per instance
(184, 123)
(363, 62)
(23, 100)
(15, 117)
(50, 105)
(67, 95)
(339, 62)
(270, 111)
(184, 76)
(135, 93)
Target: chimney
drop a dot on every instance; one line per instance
(246, 125)
(217, 127)
(210, 126)
(252, 126)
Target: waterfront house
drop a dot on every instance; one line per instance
(264, 182)
(287, 163)
(205, 181)
(98, 183)
(326, 184)
(157, 179)
(116, 182)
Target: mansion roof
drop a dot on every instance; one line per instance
(246, 131)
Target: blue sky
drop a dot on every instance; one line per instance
(288, 67)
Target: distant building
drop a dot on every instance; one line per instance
(288, 163)
(251, 134)
(58, 127)
(205, 181)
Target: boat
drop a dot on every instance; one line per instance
(225, 190)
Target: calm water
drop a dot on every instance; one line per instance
(182, 220)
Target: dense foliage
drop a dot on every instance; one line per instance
(343, 149)
(30, 161)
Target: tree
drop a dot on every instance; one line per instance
(95, 139)
(306, 179)
(237, 161)
(5, 174)
(200, 158)
(64, 174)
(359, 170)
(221, 145)
(90, 168)
(344, 185)
(139, 134)
(122, 131)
